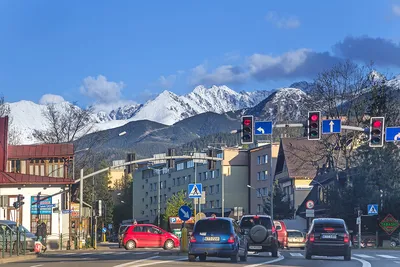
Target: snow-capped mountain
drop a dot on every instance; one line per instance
(167, 108)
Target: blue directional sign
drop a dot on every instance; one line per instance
(262, 127)
(392, 134)
(373, 209)
(185, 213)
(331, 126)
(195, 190)
(104, 230)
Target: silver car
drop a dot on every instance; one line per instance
(10, 227)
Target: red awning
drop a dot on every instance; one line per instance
(40, 151)
(19, 178)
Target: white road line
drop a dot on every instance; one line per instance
(363, 262)
(296, 255)
(364, 256)
(70, 253)
(107, 253)
(159, 262)
(267, 262)
(137, 261)
(37, 265)
(87, 253)
(387, 256)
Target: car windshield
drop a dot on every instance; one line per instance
(248, 222)
(326, 227)
(213, 226)
(294, 234)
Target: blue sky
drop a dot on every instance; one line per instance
(120, 51)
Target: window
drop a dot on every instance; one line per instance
(186, 179)
(165, 197)
(217, 188)
(259, 160)
(249, 222)
(211, 189)
(200, 176)
(185, 193)
(217, 205)
(155, 199)
(151, 187)
(16, 166)
(180, 166)
(173, 181)
(142, 199)
(205, 188)
(151, 212)
(258, 192)
(259, 209)
(212, 174)
(147, 193)
(190, 164)
(265, 175)
(179, 181)
(220, 155)
(212, 204)
(262, 159)
(151, 200)
(265, 191)
(258, 176)
(213, 227)
(189, 178)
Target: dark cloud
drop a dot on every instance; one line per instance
(380, 51)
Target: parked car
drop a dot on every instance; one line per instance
(260, 233)
(148, 236)
(282, 233)
(296, 239)
(328, 237)
(11, 227)
(217, 237)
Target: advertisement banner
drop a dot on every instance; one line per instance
(46, 206)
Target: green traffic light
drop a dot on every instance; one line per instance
(313, 134)
(375, 141)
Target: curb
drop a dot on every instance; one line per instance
(172, 253)
(18, 258)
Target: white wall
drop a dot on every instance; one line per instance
(28, 192)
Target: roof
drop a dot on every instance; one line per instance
(18, 178)
(40, 151)
(303, 157)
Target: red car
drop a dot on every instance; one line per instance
(148, 236)
(281, 229)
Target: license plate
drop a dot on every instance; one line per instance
(211, 238)
(255, 247)
(328, 236)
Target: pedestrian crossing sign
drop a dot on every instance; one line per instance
(373, 209)
(195, 190)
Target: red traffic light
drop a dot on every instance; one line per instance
(247, 122)
(314, 117)
(377, 124)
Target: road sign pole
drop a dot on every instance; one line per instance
(223, 196)
(195, 182)
(359, 229)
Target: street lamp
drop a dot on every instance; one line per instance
(262, 196)
(158, 171)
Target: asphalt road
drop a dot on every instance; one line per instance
(139, 258)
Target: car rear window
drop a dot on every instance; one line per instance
(248, 222)
(329, 227)
(295, 234)
(213, 226)
(123, 228)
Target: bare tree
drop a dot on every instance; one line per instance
(66, 124)
(13, 133)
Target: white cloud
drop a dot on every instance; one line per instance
(51, 99)
(101, 90)
(232, 56)
(396, 10)
(225, 74)
(283, 22)
(166, 82)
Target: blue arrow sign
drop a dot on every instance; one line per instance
(331, 126)
(373, 209)
(392, 134)
(185, 213)
(195, 190)
(262, 127)
(104, 230)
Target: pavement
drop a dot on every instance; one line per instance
(158, 257)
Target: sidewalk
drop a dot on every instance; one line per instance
(14, 258)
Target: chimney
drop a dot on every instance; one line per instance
(3, 143)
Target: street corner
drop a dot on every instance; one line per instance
(18, 258)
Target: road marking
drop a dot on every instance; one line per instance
(387, 256)
(137, 261)
(37, 265)
(364, 256)
(87, 253)
(363, 262)
(159, 262)
(108, 253)
(296, 254)
(267, 262)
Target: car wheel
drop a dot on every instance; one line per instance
(202, 257)
(169, 244)
(347, 257)
(274, 252)
(130, 245)
(393, 244)
(192, 257)
(308, 256)
(235, 258)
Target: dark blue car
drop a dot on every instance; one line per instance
(217, 237)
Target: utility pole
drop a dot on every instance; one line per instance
(272, 179)
(80, 208)
(159, 198)
(223, 194)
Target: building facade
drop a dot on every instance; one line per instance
(233, 168)
(262, 171)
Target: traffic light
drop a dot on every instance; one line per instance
(20, 199)
(171, 162)
(314, 125)
(247, 130)
(211, 163)
(16, 205)
(376, 131)
(130, 157)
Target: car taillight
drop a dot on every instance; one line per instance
(311, 238)
(346, 238)
(231, 239)
(329, 229)
(192, 239)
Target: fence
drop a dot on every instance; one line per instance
(14, 242)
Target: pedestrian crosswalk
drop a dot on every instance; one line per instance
(95, 253)
(363, 256)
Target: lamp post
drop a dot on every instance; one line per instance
(262, 196)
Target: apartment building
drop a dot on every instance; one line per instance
(262, 171)
(233, 168)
